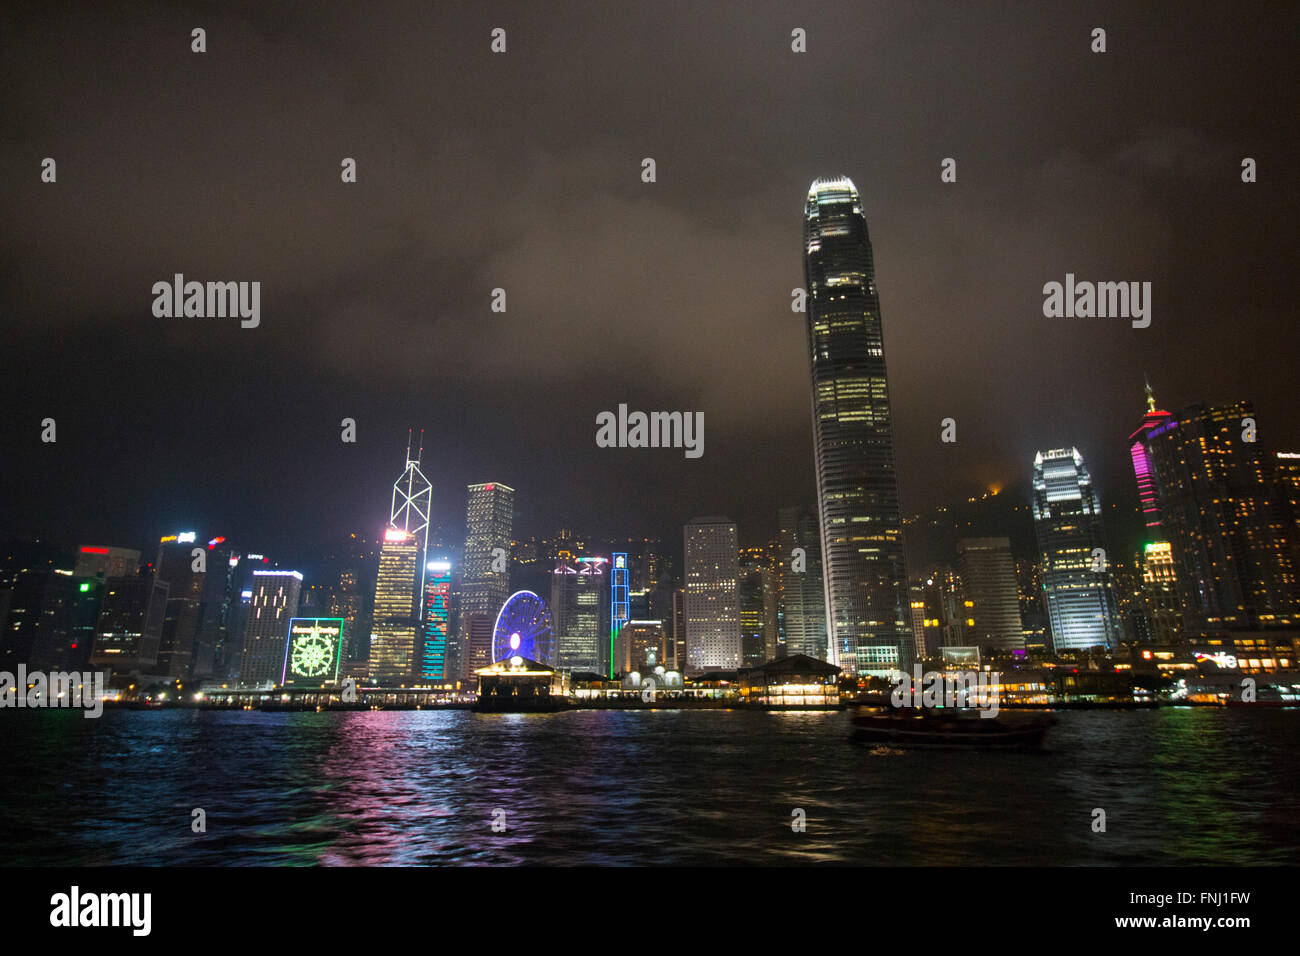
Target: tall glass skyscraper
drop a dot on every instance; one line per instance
(393, 635)
(857, 487)
(1081, 604)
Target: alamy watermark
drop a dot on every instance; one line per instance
(59, 689)
(208, 300)
(651, 430)
(77, 909)
(951, 689)
(1102, 300)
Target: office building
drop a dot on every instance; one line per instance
(578, 597)
(801, 606)
(129, 629)
(273, 604)
(712, 610)
(1227, 520)
(435, 620)
(857, 486)
(1153, 420)
(485, 567)
(396, 619)
(1081, 607)
(990, 597)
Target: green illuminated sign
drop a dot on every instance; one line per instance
(312, 654)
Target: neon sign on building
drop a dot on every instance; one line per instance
(312, 653)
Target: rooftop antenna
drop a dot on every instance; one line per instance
(1151, 399)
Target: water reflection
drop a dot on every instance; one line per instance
(638, 787)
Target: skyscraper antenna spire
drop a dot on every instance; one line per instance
(1151, 398)
(408, 444)
(419, 456)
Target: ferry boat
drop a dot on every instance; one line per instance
(909, 727)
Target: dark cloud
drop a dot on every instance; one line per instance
(522, 172)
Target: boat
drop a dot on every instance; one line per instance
(914, 727)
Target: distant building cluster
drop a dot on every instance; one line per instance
(407, 607)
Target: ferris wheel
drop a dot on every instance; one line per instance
(524, 629)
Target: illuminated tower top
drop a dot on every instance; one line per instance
(412, 494)
(1154, 420)
(412, 501)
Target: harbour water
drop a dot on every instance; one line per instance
(1178, 787)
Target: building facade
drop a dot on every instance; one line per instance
(1143, 471)
(266, 633)
(578, 594)
(485, 567)
(857, 486)
(393, 659)
(801, 603)
(435, 621)
(130, 623)
(712, 606)
(991, 599)
(1081, 608)
(1227, 520)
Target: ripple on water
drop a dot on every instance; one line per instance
(639, 787)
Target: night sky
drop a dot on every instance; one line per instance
(522, 171)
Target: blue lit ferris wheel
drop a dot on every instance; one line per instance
(524, 629)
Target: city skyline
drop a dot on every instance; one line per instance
(725, 441)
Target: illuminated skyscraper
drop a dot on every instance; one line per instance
(432, 665)
(578, 588)
(620, 606)
(1081, 605)
(1153, 420)
(1160, 593)
(485, 570)
(712, 595)
(392, 643)
(1233, 540)
(266, 633)
(857, 488)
